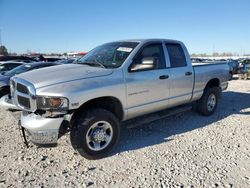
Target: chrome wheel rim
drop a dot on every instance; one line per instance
(99, 135)
(211, 102)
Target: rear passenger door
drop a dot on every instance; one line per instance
(181, 74)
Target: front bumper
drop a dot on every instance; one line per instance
(224, 86)
(42, 130)
(7, 103)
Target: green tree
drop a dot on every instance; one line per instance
(3, 50)
(215, 54)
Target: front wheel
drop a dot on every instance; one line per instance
(95, 134)
(209, 101)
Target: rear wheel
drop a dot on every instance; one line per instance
(209, 101)
(95, 134)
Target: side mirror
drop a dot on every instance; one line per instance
(147, 63)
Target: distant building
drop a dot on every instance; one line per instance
(76, 54)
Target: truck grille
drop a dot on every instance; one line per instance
(23, 101)
(21, 88)
(23, 94)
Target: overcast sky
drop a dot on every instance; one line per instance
(75, 25)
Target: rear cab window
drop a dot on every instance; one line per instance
(176, 55)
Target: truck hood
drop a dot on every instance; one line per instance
(63, 73)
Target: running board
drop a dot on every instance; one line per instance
(149, 118)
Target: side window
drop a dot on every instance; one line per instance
(152, 51)
(176, 55)
(12, 66)
(5, 67)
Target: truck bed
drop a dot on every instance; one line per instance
(206, 71)
(208, 63)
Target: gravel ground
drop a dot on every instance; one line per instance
(187, 150)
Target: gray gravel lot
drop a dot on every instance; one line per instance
(187, 150)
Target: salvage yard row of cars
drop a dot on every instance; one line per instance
(115, 82)
(236, 66)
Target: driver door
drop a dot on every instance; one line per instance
(148, 89)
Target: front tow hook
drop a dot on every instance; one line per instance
(23, 134)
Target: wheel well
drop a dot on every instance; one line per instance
(111, 104)
(213, 83)
(6, 87)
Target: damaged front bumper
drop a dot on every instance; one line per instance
(42, 130)
(7, 103)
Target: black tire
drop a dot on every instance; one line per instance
(230, 76)
(82, 127)
(202, 105)
(4, 91)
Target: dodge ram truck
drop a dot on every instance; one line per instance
(113, 83)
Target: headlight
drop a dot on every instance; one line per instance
(52, 103)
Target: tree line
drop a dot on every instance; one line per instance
(4, 51)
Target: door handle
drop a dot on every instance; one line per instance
(162, 77)
(188, 73)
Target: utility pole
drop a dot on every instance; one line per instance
(0, 37)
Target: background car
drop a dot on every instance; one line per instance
(196, 60)
(17, 58)
(9, 65)
(65, 61)
(244, 70)
(5, 77)
(246, 61)
(233, 67)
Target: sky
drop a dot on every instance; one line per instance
(57, 26)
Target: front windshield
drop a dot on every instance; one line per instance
(111, 55)
(18, 70)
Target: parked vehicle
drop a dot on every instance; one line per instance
(9, 65)
(17, 58)
(114, 82)
(196, 60)
(244, 69)
(5, 77)
(233, 67)
(52, 59)
(65, 61)
(246, 61)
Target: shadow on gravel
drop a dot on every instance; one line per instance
(161, 131)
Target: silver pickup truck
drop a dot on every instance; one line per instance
(114, 82)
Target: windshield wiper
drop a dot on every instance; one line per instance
(100, 64)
